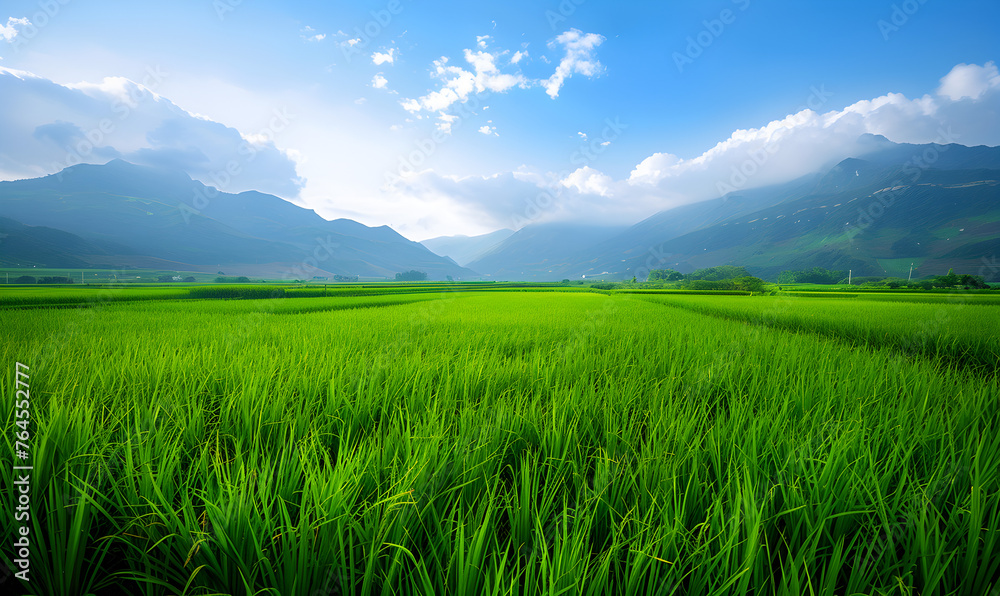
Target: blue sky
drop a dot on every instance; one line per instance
(669, 80)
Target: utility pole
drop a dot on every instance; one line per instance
(911, 273)
(849, 272)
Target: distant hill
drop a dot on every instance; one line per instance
(139, 215)
(937, 206)
(540, 251)
(40, 246)
(465, 249)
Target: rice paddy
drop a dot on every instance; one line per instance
(494, 441)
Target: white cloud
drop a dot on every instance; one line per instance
(589, 181)
(578, 59)
(445, 121)
(488, 129)
(459, 83)
(307, 34)
(379, 81)
(9, 31)
(969, 80)
(354, 42)
(653, 169)
(379, 58)
(361, 100)
(582, 135)
(801, 143)
(966, 110)
(56, 126)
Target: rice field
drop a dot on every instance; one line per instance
(507, 442)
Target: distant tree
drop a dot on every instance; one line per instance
(565, 281)
(816, 275)
(718, 273)
(345, 278)
(25, 279)
(707, 284)
(221, 272)
(165, 278)
(189, 279)
(749, 284)
(665, 275)
(412, 275)
(55, 280)
(243, 279)
(449, 278)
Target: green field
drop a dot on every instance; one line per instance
(455, 439)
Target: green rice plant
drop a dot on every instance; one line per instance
(451, 443)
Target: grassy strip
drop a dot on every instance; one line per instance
(960, 333)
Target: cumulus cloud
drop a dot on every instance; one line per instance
(459, 83)
(579, 48)
(379, 58)
(965, 109)
(48, 127)
(9, 31)
(309, 34)
(488, 129)
(379, 81)
(969, 80)
(590, 181)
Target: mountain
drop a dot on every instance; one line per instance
(145, 216)
(943, 219)
(937, 206)
(558, 251)
(40, 246)
(540, 252)
(932, 205)
(465, 249)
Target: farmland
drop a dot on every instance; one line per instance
(463, 439)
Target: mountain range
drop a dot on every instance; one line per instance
(123, 215)
(935, 206)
